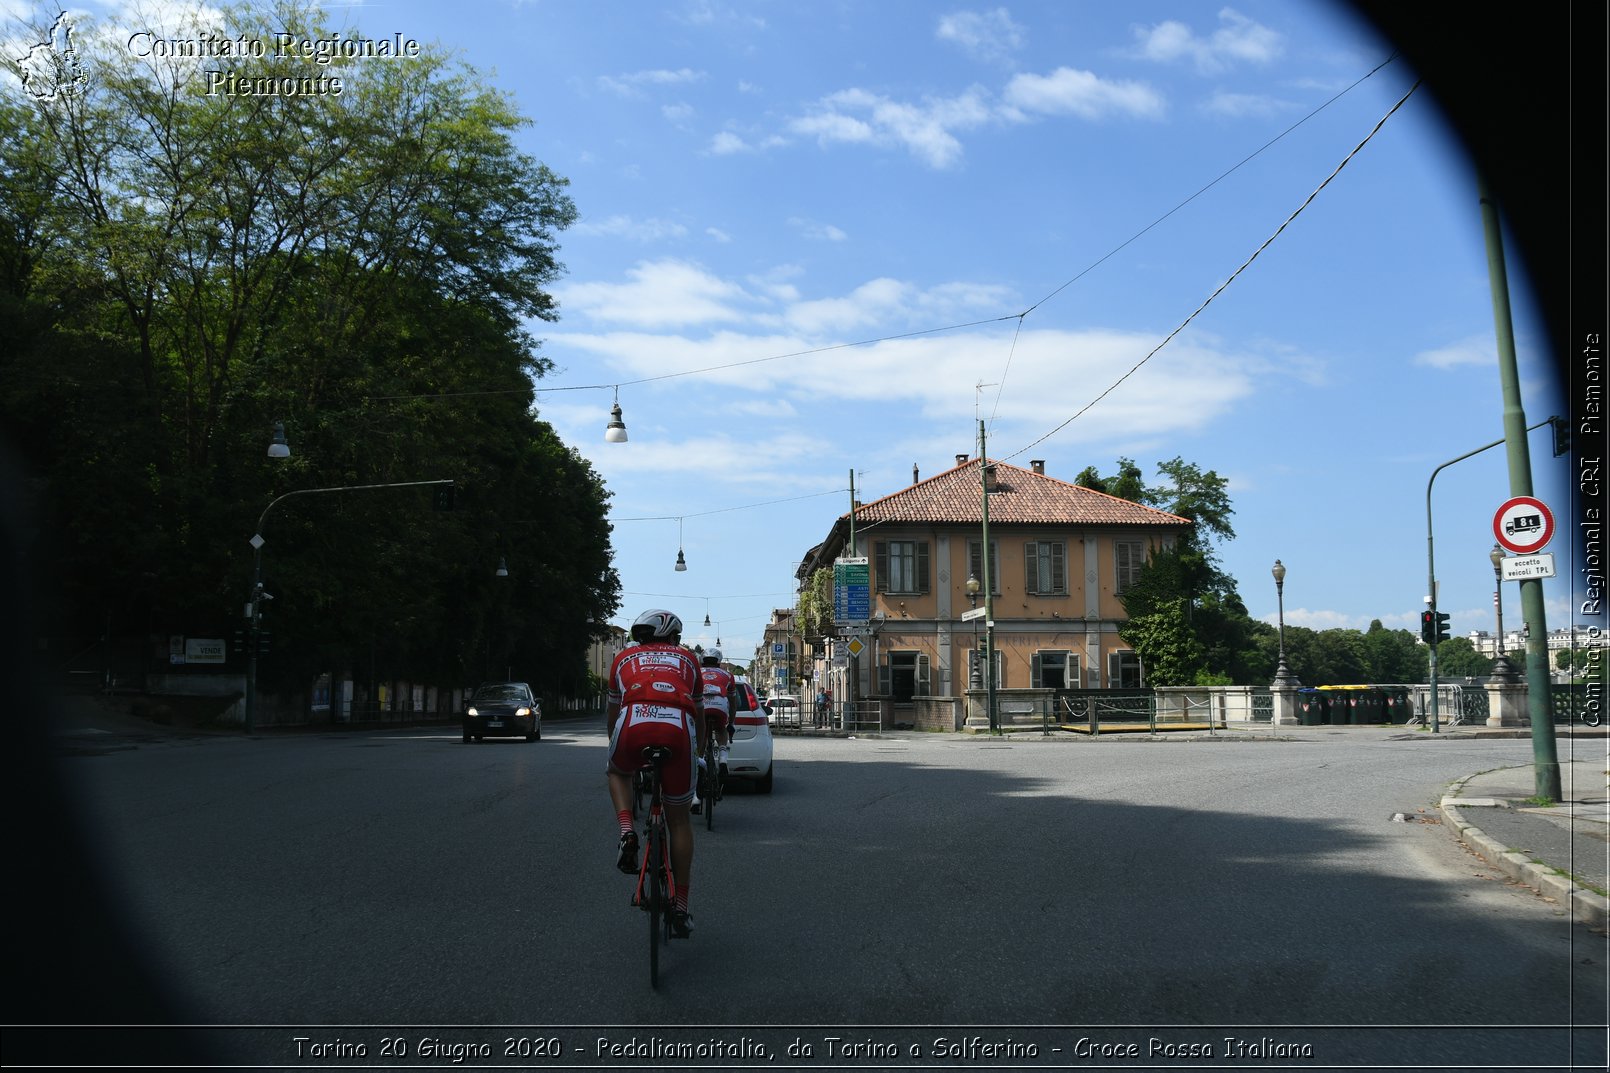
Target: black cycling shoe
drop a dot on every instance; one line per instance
(681, 924)
(627, 861)
(697, 808)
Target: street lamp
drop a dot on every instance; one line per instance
(1501, 667)
(1284, 679)
(976, 665)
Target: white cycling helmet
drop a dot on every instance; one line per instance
(712, 655)
(662, 626)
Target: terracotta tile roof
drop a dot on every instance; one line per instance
(1019, 496)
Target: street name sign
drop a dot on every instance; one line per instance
(1525, 567)
(1523, 525)
(975, 613)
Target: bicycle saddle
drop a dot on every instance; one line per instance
(656, 754)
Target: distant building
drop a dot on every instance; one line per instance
(1060, 558)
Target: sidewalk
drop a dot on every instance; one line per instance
(1562, 850)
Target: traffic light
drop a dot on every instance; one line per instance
(1428, 627)
(443, 497)
(1562, 436)
(1442, 626)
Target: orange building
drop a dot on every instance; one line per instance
(1060, 557)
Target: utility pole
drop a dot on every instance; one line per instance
(1545, 761)
(989, 600)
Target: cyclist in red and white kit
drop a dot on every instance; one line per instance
(720, 688)
(654, 699)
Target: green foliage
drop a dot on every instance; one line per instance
(179, 270)
(814, 611)
(1458, 658)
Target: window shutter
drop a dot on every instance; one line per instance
(924, 685)
(998, 667)
(1031, 568)
(1115, 675)
(1036, 678)
(1059, 582)
(881, 565)
(1070, 673)
(922, 566)
(885, 678)
(975, 565)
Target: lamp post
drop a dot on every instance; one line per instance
(1285, 684)
(974, 663)
(1501, 667)
(277, 448)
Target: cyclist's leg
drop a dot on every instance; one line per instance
(676, 790)
(618, 773)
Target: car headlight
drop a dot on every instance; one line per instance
(522, 711)
(472, 713)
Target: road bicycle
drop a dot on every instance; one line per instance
(656, 882)
(710, 783)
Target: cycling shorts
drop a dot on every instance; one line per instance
(715, 713)
(642, 725)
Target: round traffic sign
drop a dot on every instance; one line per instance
(1523, 525)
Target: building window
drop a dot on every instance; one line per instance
(1123, 670)
(975, 567)
(1055, 669)
(1045, 568)
(1130, 556)
(902, 566)
(903, 675)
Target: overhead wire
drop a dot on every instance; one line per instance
(1223, 286)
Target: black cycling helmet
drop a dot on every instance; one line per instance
(661, 626)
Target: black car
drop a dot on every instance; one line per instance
(503, 710)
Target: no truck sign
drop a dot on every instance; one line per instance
(1523, 525)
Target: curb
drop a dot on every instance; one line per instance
(1585, 905)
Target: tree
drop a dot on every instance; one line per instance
(360, 267)
(814, 611)
(1458, 658)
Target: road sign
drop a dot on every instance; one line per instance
(1523, 525)
(855, 646)
(852, 590)
(1522, 567)
(779, 649)
(975, 613)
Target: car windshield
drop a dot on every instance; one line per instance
(501, 695)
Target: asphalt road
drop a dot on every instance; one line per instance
(1187, 893)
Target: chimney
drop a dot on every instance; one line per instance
(961, 460)
(1037, 465)
(990, 479)
(914, 473)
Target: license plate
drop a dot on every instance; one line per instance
(495, 723)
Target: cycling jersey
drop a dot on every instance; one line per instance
(717, 683)
(656, 687)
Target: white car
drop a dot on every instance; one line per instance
(749, 755)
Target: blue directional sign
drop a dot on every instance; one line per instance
(852, 590)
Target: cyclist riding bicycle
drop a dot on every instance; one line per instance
(719, 693)
(654, 699)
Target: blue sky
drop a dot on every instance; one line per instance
(762, 183)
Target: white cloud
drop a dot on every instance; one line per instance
(1237, 105)
(650, 230)
(726, 143)
(1238, 39)
(987, 35)
(858, 116)
(678, 113)
(1066, 91)
(717, 234)
(1475, 350)
(662, 294)
(820, 232)
(633, 84)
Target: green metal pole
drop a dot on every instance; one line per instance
(1545, 761)
(989, 601)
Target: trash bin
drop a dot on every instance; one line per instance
(1310, 712)
(1395, 705)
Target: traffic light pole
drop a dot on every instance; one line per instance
(1431, 570)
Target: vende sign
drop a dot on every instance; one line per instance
(1523, 525)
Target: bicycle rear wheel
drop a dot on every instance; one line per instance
(709, 789)
(656, 894)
